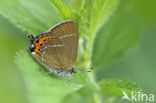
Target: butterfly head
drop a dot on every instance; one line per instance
(32, 46)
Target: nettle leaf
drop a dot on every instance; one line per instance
(76, 5)
(94, 14)
(83, 95)
(116, 87)
(64, 11)
(102, 9)
(116, 36)
(29, 15)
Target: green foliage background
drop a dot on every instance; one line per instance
(117, 38)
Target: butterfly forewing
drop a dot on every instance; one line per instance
(60, 53)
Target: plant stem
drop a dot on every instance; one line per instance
(91, 76)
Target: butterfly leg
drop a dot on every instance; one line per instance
(40, 70)
(59, 77)
(69, 80)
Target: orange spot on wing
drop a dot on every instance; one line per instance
(46, 38)
(41, 41)
(36, 44)
(50, 37)
(36, 54)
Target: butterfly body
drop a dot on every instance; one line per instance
(57, 48)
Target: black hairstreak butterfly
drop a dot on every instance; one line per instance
(57, 48)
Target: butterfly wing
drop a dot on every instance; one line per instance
(60, 52)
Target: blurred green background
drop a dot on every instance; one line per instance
(138, 63)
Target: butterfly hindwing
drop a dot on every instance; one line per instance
(59, 51)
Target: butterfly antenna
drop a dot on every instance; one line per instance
(91, 70)
(30, 36)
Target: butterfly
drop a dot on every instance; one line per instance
(57, 48)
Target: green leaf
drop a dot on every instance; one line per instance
(102, 10)
(116, 87)
(77, 5)
(83, 95)
(29, 15)
(94, 14)
(116, 36)
(64, 11)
